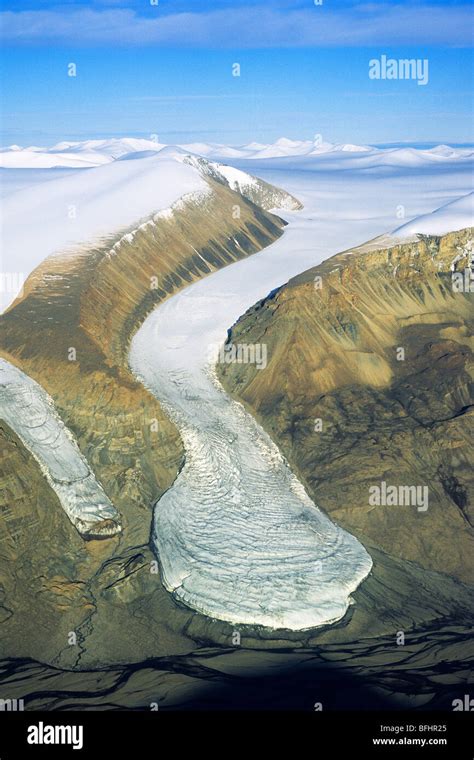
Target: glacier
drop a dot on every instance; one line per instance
(237, 536)
(29, 411)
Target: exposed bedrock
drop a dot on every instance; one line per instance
(369, 380)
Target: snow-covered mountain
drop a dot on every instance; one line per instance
(73, 154)
(106, 202)
(84, 207)
(114, 147)
(96, 152)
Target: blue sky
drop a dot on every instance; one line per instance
(167, 70)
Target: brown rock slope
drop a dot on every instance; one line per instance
(349, 411)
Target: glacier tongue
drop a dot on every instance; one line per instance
(29, 411)
(237, 536)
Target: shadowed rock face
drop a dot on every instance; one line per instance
(350, 410)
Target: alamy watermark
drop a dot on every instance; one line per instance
(239, 353)
(466, 704)
(48, 734)
(384, 495)
(400, 68)
(12, 705)
(463, 281)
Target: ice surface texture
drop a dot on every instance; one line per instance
(29, 411)
(237, 536)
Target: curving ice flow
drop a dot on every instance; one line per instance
(29, 411)
(237, 536)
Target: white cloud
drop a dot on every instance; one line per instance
(250, 27)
